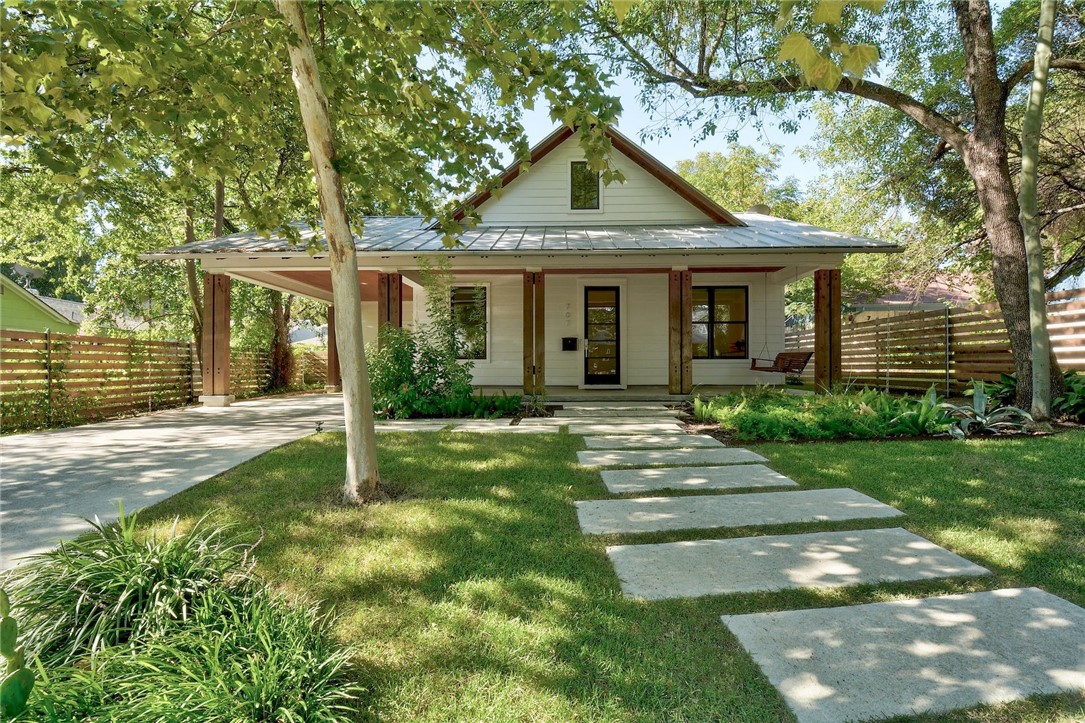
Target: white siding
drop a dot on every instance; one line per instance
(503, 365)
(541, 196)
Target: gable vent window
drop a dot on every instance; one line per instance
(584, 185)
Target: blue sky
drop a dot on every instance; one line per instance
(681, 142)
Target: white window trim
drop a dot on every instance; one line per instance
(489, 326)
(569, 190)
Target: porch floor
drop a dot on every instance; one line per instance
(644, 393)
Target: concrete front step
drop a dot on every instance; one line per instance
(655, 514)
(672, 457)
(595, 427)
(782, 562)
(908, 657)
(657, 441)
(624, 481)
(594, 412)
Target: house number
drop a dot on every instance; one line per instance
(568, 314)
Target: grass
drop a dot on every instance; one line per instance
(473, 595)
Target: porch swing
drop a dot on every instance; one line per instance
(789, 363)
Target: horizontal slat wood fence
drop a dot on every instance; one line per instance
(49, 380)
(948, 348)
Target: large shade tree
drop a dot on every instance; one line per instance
(949, 72)
(421, 98)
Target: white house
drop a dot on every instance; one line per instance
(646, 283)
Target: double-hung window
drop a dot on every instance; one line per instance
(583, 187)
(469, 320)
(720, 322)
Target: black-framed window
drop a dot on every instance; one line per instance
(583, 187)
(469, 319)
(720, 322)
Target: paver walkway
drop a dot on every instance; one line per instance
(832, 664)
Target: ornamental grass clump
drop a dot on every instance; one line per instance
(126, 626)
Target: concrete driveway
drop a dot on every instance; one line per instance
(50, 480)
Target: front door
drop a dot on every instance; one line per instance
(602, 345)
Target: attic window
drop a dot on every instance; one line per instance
(584, 187)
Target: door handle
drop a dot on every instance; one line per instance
(585, 348)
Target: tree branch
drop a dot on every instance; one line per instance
(1025, 69)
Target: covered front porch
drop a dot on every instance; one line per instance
(647, 340)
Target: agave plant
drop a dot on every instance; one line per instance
(967, 420)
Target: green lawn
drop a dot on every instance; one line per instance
(473, 596)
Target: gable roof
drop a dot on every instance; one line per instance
(630, 150)
(40, 302)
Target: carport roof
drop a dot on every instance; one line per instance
(409, 234)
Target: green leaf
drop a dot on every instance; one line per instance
(797, 47)
(828, 12)
(622, 7)
(858, 59)
(5, 604)
(9, 632)
(787, 11)
(15, 691)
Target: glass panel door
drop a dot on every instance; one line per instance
(602, 345)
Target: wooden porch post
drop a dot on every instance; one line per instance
(827, 369)
(389, 301)
(215, 341)
(534, 327)
(335, 380)
(680, 332)
(687, 332)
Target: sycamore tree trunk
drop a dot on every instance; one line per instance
(1030, 156)
(362, 476)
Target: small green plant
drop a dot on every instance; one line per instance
(17, 681)
(1004, 390)
(1072, 402)
(111, 587)
(981, 417)
(925, 417)
(535, 404)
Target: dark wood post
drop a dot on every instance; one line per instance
(389, 301)
(215, 341)
(674, 337)
(540, 336)
(687, 332)
(528, 325)
(827, 369)
(335, 380)
(680, 332)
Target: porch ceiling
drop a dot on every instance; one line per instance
(315, 284)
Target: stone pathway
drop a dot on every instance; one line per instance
(832, 664)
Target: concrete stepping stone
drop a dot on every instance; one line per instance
(658, 441)
(591, 428)
(621, 481)
(503, 429)
(928, 655)
(653, 514)
(673, 457)
(408, 426)
(782, 562)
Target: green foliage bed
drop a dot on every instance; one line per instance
(763, 413)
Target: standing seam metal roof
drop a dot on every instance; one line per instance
(408, 234)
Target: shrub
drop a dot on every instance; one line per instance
(173, 628)
(983, 417)
(243, 655)
(110, 587)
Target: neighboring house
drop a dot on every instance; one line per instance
(643, 283)
(25, 310)
(941, 292)
(310, 336)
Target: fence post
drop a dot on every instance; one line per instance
(947, 352)
(49, 377)
(888, 343)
